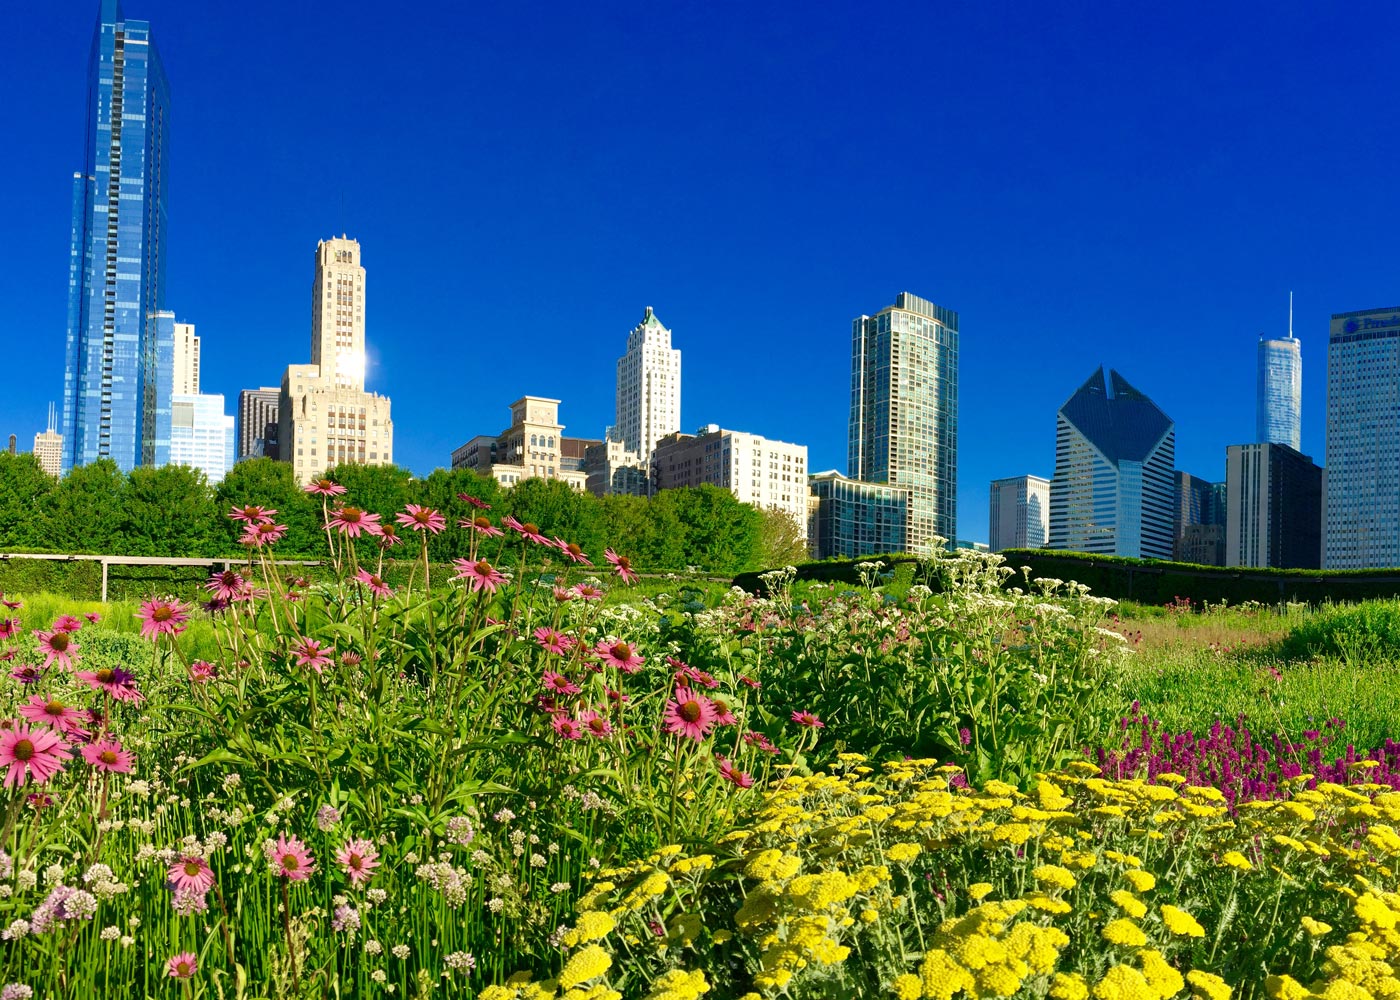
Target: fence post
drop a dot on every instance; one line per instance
(104, 579)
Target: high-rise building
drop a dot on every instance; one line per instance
(846, 517)
(48, 446)
(612, 469)
(1020, 513)
(201, 434)
(757, 470)
(532, 447)
(1280, 389)
(1275, 507)
(186, 363)
(257, 423)
(1362, 520)
(112, 383)
(904, 412)
(648, 389)
(324, 415)
(1198, 527)
(1115, 453)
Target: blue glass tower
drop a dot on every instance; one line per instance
(114, 383)
(1280, 393)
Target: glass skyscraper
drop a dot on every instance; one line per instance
(904, 412)
(117, 379)
(1280, 395)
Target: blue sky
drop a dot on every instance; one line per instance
(1134, 184)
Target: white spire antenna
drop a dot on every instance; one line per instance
(1290, 315)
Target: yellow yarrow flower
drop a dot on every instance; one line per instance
(1236, 860)
(591, 926)
(903, 852)
(1068, 986)
(1123, 982)
(907, 987)
(589, 963)
(1141, 881)
(1160, 975)
(1128, 903)
(1178, 921)
(772, 864)
(1208, 986)
(1315, 928)
(1054, 875)
(679, 985)
(980, 890)
(942, 977)
(1286, 988)
(1125, 933)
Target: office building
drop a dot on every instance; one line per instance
(257, 423)
(904, 412)
(1020, 513)
(767, 474)
(1361, 527)
(201, 434)
(611, 468)
(1275, 507)
(532, 447)
(113, 383)
(849, 518)
(1115, 453)
(648, 389)
(324, 415)
(48, 446)
(1198, 527)
(186, 363)
(1280, 389)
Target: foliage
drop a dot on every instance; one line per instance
(1369, 631)
(24, 489)
(781, 540)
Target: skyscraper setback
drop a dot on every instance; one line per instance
(904, 412)
(113, 379)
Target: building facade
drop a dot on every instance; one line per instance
(257, 423)
(767, 474)
(201, 434)
(1115, 453)
(648, 389)
(904, 412)
(1020, 513)
(611, 468)
(1362, 520)
(1275, 507)
(1280, 392)
(849, 518)
(116, 272)
(1198, 527)
(48, 446)
(186, 360)
(532, 447)
(325, 416)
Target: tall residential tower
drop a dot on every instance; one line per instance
(904, 412)
(648, 388)
(115, 378)
(1280, 389)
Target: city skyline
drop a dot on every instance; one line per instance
(1012, 291)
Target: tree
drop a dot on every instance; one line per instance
(440, 491)
(24, 493)
(170, 511)
(780, 540)
(85, 512)
(268, 483)
(721, 532)
(380, 489)
(558, 510)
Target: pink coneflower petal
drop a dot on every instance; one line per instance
(550, 640)
(57, 646)
(191, 873)
(358, 859)
(388, 536)
(352, 521)
(757, 739)
(723, 716)
(30, 753)
(421, 519)
(93, 617)
(291, 859)
(258, 535)
(740, 778)
(557, 684)
(564, 594)
(252, 514)
(67, 623)
(108, 755)
(375, 584)
(481, 525)
(182, 966)
(227, 584)
(689, 714)
(117, 683)
(807, 719)
(595, 725)
(526, 530)
(567, 727)
(10, 627)
(202, 672)
(311, 653)
(623, 566)
(324, 488)
(480, 575)
(478, 504)
(621, 655)
(162, 616)
(53, 713)
(27, 673)
(573, 551)
(587, 592)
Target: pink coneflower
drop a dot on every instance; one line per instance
(165, 616)
(349, 659)
(595, 725)
(621, 655)
(93, 617)
(202, 672)
(191, 873)
(726, 771)
(618, 698)
(588, 592)
(757, 739)
(573, 551)
(108, 755)
(67, 623)
(324, 488)
(291, 859)
(805, 718)
(557, 684)
(478, 504)
(10, 627)
(550, 640)
(564, 594)
(480, 575)
(119, 684)
(8, 654)
(689, 714)
(227, 584)
(27, 673)
(258, 535)
(252, 514)
(723, 716)
(57, 646)
(376, 585)
(388, 536)
(567, 727)
(748, 681)
(421, 519)
(481, 525)
(311, 653)
(39, 752)
(216, 604)
(182, 966)
(52, 712)
(526, 530)
(685, 673)
(623, 565)
(358, 859)
(351, 521)
(12, 605)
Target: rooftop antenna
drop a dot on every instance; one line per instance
(52, 428)
(1290, 315)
